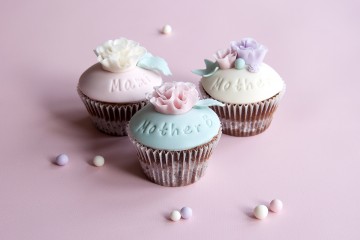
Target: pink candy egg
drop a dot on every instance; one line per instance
(276, 205)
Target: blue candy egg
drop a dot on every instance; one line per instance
(239, 63)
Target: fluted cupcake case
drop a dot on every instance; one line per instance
(175, 168)
(110, 118)
(244, 120)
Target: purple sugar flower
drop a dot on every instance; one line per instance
(252, 52)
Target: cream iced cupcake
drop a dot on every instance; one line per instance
(250, 89)
(175, 135)
(114, 89)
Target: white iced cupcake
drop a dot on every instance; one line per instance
(250, 89)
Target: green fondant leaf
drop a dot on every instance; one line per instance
(211, 68)
(153, 63)
(208, 103)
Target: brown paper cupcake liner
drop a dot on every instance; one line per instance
(243, 120)
(110, 118)
(175, 168)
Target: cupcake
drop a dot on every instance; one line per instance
(114, 89)
(250, 89)
(175, 135)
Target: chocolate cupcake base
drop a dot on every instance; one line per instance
(175, 168)
(110, 118)
(243, 120)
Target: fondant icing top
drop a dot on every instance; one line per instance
(174, 132)
(239, 86)
(118, 87)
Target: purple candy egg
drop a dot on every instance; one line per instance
(186, 212)
(62, 160)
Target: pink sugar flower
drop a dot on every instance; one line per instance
(174, 97)
(225, 58)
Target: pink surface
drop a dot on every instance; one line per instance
(308, 158)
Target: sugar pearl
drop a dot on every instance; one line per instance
(261, 212)
(175, 215)
(167, 29)
(186, 212)
(98, 161)
(239, 63)
(62, 160)
(276, 205)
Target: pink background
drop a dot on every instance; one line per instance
(309, 157)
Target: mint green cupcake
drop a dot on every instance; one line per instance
(175, 134)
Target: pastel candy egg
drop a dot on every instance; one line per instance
(239, 63)
(62, 159)
(167, 29)
(98, 161)
(186, 212)
(276, 205)
(261, 212)
(175, 216)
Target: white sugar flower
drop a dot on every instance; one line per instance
(119, 55)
